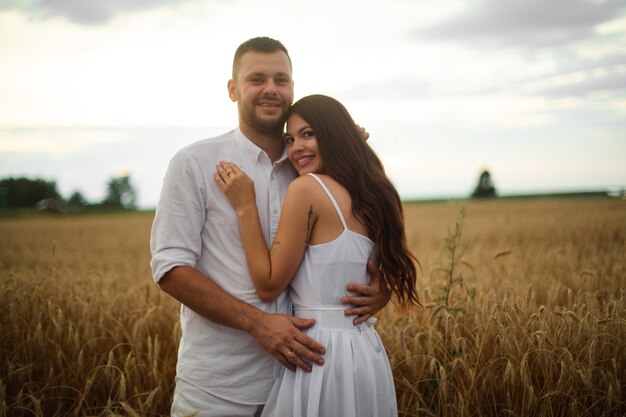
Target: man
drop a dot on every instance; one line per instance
(223, 368)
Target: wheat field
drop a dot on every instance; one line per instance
(524, 313)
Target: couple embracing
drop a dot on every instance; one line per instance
(274, 242)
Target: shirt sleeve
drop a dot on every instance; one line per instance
(180, 217)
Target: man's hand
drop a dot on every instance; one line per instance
(370, 299)
(280, 335)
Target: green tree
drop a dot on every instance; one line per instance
(77, 198)
(26, 192)
(77, 202)
(485, 187)
(121, 193)
(4, 198)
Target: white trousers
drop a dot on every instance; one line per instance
(190, 400)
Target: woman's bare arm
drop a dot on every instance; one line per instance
(271, 270)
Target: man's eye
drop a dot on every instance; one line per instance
(282, 81)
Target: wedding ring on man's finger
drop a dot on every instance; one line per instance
(288, 353)
(228, 172)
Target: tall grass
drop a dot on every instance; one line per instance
(538, 324)
(84, 331)
(529, 321)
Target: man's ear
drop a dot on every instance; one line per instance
(232, 90)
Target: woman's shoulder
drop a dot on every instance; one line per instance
(308, 183)
(307, 187)
(303, 183)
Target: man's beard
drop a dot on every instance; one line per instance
(265, 125)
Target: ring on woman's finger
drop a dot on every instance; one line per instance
(228, 172)
(288, 353)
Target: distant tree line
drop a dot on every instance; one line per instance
(43, 194)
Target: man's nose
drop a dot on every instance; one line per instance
(270, 88)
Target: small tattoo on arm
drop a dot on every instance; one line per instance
(308, 225)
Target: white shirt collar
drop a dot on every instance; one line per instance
(251, 151)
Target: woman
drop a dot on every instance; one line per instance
(339, 213)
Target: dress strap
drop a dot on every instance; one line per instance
(332, 199)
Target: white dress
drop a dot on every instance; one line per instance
(356, 379)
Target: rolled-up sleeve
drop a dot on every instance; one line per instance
(180, 217)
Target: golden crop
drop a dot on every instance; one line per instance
(524, 314)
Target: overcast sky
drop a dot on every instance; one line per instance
(532, 90)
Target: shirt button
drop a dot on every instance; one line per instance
(274, 210)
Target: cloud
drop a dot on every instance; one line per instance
(569, 78)
(91, 12)
(393, 89)
(85, 158)
(524, 23)
(581, 84)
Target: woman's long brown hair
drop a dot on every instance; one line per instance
(350, 161)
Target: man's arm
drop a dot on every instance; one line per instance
(176, 242)
(370, 299)
(278, 334)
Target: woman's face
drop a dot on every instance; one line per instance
(302, 147)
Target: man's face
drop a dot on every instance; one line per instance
(263, 90)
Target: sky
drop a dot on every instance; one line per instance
(532, 90)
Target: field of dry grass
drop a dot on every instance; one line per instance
(524, 314)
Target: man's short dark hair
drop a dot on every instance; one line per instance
(259, 44)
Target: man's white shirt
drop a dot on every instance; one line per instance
(196, 225)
